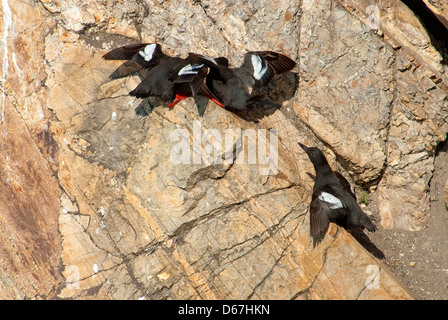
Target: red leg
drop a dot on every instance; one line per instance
(179, 97)
(215, 101)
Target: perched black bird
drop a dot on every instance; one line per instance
(332, 199)
(233, 86)
(169, 78)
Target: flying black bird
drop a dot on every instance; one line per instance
(232, 86)
(169, 78)
(332, 199)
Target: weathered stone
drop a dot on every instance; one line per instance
(401, 28)
(445, 198)
(161, 207)
(440, 9)
(30, 242)
(345, 92)
(417, 126)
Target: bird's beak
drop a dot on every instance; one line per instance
(305, 148)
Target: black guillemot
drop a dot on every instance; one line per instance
(174, 78)
(232, 86)
(168, 78)
(332, 200)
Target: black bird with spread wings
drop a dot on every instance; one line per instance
(169, 78)
(174, 78)
(232, 86)
(332, 199)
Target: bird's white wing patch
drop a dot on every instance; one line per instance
(257, 64)
(148, 52)
(190, 69)
(332, 201)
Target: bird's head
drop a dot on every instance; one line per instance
(316, 156)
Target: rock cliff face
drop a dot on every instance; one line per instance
(98, 201)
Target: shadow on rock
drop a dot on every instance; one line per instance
(364, 240)
(435, 28)
(270, 98)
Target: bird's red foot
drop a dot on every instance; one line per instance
(215, 101)
(179, 97)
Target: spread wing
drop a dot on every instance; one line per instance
(156, 83)
(319, 221)
(325, 207)
(264, 65)
(125, 52)
(145, 55)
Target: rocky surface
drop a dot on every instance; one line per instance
(445, 198)
(98, 202)
(439, 8)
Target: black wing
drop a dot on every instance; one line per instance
(156, 83)
(325, 207)
(345, 184)
(146, 55)
(264, 65)
(192, 74)
(196, 73)
(319, 221)
(125, 52)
